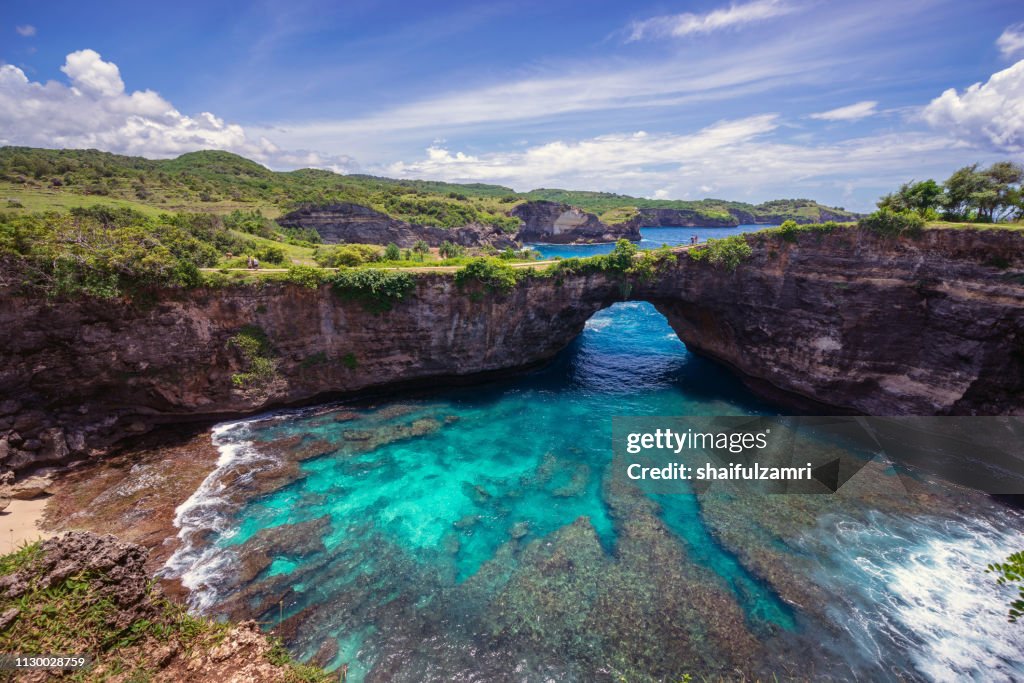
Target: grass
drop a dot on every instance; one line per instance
(949, 225)
(76, 615)
(35, 199)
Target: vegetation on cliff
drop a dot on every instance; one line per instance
(618, 208)
(83, 594)
(220, 182)
(970, 194)
(376, 290)
(728, 252)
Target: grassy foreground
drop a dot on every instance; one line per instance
(118, 618)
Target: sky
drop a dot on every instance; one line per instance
(750, 100)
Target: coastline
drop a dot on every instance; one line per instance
(21, 523)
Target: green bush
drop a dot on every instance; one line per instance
(491, 273)
(270, 254)
(621, 257)
(349, 255)
(450, 250)
(252, 343)
(1011, 572)
(789, 230)
(391, 252)
(376, 290)
(728, 252)
(894, 223)
(306, 276)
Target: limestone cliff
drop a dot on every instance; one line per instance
(556, 223)
(660, 218)
(850, 321)
(356, 224)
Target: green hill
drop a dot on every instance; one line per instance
(221, 182)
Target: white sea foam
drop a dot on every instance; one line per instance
(198, 562)
(913, 595)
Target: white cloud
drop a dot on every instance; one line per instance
(26, 30)
(733, 16)
(851, 112)
(1011, 41)
(94, 111)
(91, 74)
(734, 158)
(989, 114)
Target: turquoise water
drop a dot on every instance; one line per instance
(477, 534)
(650, 238)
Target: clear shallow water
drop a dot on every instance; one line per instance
(476, 534)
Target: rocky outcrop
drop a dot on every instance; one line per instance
(556, 223)
(663, 218)
(848, 321)
(356, 224)
(855, 322)
(119, 614)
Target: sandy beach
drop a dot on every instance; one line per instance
(19, 523)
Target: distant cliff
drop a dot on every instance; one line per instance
(356, 224)
(556, 223)
(659, 217)
(848, 320)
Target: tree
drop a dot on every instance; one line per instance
(961, 190)
(922, 197)
(420, 248)
(450, 250)
(988, 195)
(391, 252)
(1011, 572)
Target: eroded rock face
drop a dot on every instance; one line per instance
(855, 322)
(116, 576)
(356, 224)
(661, 218)
(847, 321)
(556, 223)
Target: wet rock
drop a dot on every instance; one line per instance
(576, 485)
(326, 653)
(519, 530)
(287, 540)
(478, 494)
(466, 522)
(450, 543)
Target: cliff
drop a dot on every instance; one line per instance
(847, 321)
(659, 218)
(556, 223)
(356, 224)
(86, 594)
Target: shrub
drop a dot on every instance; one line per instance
(728, 252)
(270, 254)
(376, 290)
(652, 262)
(789, 230)
(391, 252)
(621, 257)
(254, 347)
(450, 250)
(894, 223)
(347, 255)
(491, 273)
(306, 276)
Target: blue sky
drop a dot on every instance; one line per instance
(750, 100)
